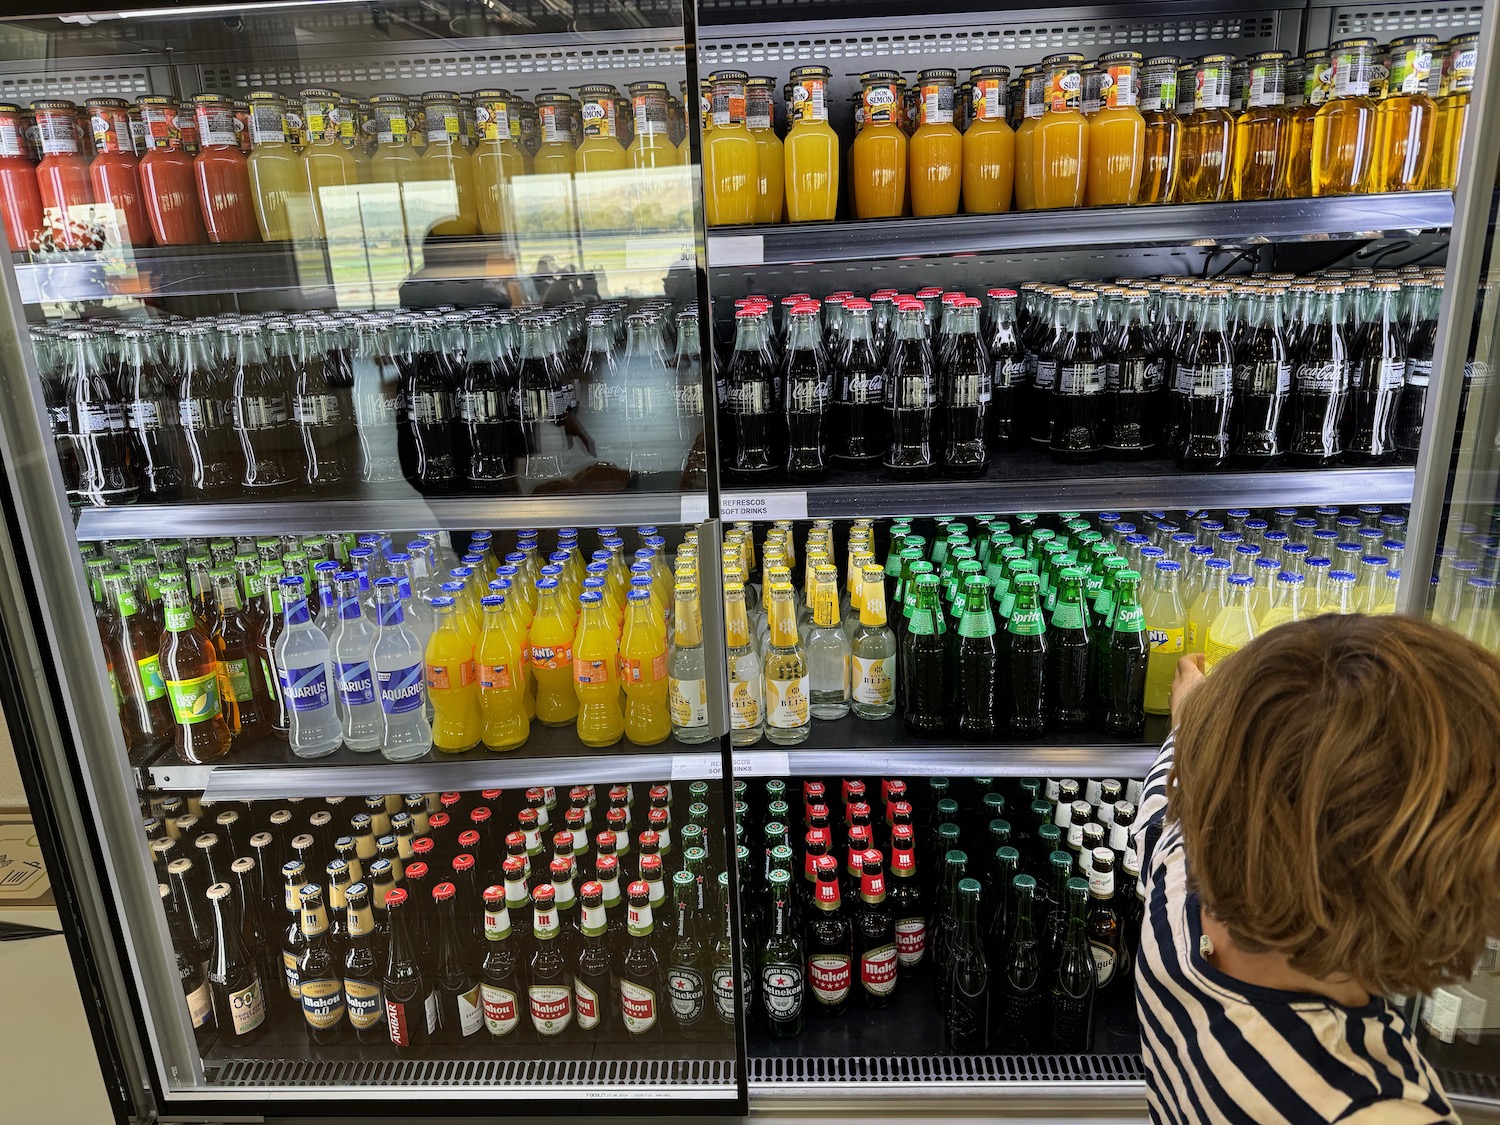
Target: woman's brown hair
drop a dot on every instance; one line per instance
(1336, 783)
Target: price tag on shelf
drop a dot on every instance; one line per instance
(778, 505)
(736, 250)
(762, 763)
(697, 767)
(695, 508)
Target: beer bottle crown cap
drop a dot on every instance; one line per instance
(514, 867)
(422, 845)
(439, 820)
(395, 897)
(543, 894)
(561, 868)
(494, 896)
(562, 842)
(468, 839)
(463, 862)
(606, 841)
(651, 866)
(607, 867)
(218, 891)
(638, 890)
(417, 870)
(592, 890)
(649, 841)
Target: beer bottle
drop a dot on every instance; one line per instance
(923, 671)
(907, 906)
(320, 977)
(362, 969)
(1073, 984)
(640, 970)
(410, 1003)
(293, 939)
(246, 704)
(257, 931)
(781, 963)
(978, 664)
(875, 936)
(1022, 995)
(722, 958)
(499, 972)
(686, 961)
(190, 670)
(549, 993)
(830, 946)
(1126, 656)
(594, 970)
(456, 985)
(239, 1001)
(146, 711)
(185, 891)
(1104, 931)
(190, 974)
(1025, 663)
(1068, 652)
(968, 1016)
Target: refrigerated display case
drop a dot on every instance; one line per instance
(385, 278)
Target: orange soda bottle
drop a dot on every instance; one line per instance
(643, 663)
(503, 723)
(452, 685)
(596, 676)
(552, 657)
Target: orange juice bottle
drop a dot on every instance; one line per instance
(989, 143)
(498, 161)
(651, 146)
(643, 666)
(1060, 148)
(452, 687)
(445, 158)
(1033, 106)
(1344, 126)
(1208, 134)
(1262, 133)
(1163, 129)
(596, 676)
(877, 159)
(811, 150)
(770, 183)
(503, 724)
(518, 617)
(600, 150)
(1455, 87)
(1117, 134)
(731, 160)
(552, 657)
(936, 149)
(1405, 117)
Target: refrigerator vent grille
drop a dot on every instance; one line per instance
(959, 1070)
(1462, 1083)
(431, 71)
(92, 84)
(1446, 19)
(594, 1073)
(1184, 36)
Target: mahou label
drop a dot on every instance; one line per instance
(877, 970)
(911, 941)
(830, 975)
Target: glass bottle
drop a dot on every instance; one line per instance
(447, 170)
(989, 143)
(329, 170)
(320, 971)
(922, 672)
(1261, 385)
(828, 649)
(857, 419)
(1126, 658)
(1079, 387)
(805, 378)
(1262, 133)
(1344, 126)
(873, 648)
(770, 180)
(1163, 136)
(968, 1018)
(753, 418)
(1411, 403)
(1317, 84)
(238, 993)
(410, 1003)
(811, 150)
(935, 172)
(243, 693)
(641, 981)
(1074, 982)
(222, 173)
(190, 671)
(746, 683)
(499, 970)
(878, 154)
(781, 963)
(1026, 659)
(1405, 118)
(1377, 380)
(145, 711)
(911, 395)
(1452, 110)
(966, 394)
(1023, 989)
(1205, 378)
(1068, 653)
(1117, 134)
(786, 673)
(731, 162)
(1320, 382)
(1060, 142)
(1206, 161)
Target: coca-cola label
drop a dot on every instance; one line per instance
(502, 1009)
(145, 415)
(830, 975)
(317, 410)
(1045, 374)
(637, 1006)
(479, 407)
(1079, 379)
(968, 389)
(197, 413)
(685, 994)
(1390, 374)
(877, 970)
(1266, 377)
(551, 1007)
(259, 412)
(100, 418)
(781, 985)
(724, 992)
(807, 396)
(689, 400)
(586, 1003)
(752, 397)
(429, 408)
(1212, 379)
(864, 388)
(1009, 372)
(1418, 372)
(540, 404)
(913, 391)
(1323, 377)
(911, 941)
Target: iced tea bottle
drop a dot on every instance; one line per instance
(1060, 145)
(446, 160)
(1262, 134)
(394, 160)
(1405, 118)
(1117, 134)
(1452, 110)
(989, 143)
(328, 168)
(1344, 127)
(935, 151)
(811, 150)
(1163, 129)
(878, 157)
(1317, 85)
(1208, 134)
(1033, 105)
(770, 158)
(731, 162)
(190, 670)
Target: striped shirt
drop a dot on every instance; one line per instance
(1220, 1050)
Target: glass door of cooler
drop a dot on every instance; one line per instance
(355, 426)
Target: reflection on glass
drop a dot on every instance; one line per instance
(498, 161)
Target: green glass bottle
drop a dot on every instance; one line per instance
(1068, 652)
(1026, 659)
(925, 686)
(1073, 985)
(1124, 682)
(978, 663)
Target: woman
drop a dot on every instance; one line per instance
(1327, 840)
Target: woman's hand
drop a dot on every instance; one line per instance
(1189, 675)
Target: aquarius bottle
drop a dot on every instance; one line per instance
(397, 661)
(352, 641)
(303, 659)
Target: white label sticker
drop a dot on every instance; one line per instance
(696, 767)
(762, 763)
(780, 505)
(736, 250)
(695, 507)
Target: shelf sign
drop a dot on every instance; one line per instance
(695, 507)
(762, 763)
(736, 250)
(778, 505)
(697, 767)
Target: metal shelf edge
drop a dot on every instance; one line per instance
(1107, 760)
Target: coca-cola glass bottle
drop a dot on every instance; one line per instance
(542, 409)
(688, 396)
(1378, 376)
(1008, 377)
(1320, 382)
(753, 414)
(101, 446)
(911, 395)
(1134, 383)
(650, 388)
(150, 417)
(262, 419)
(1079, 386)
(483, 401)
(1206, 376)
(805, 379)
(857, 437)
(966, 392)
(321, 409)
(1262, 383)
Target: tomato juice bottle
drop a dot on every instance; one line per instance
(222, 173)
(114, 172)
(20, 197)
(63, 174)
(166, 173)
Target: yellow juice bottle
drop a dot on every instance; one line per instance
(877, 174)
(1405, 118)
(518, 628)
(1343, 141)
(552, 658)
(498, 162)
(1207, 603)
(1234, 626)
(1208, 142)
(555, 155)
(989, 144)
(393, 161)
(1163, 129)
(445, 160)
(811, 149)
(643, 667)
(731, 161)
(1117, 134)
(452, 687)
(935, 152)
(604, 195)
(1317, 85)
(596, 676)
(355, 129)
(651, 146)
(1262, 133)
(1033, 106)
(1060, 147)
(275, 172)
(503, 724)
(1166, 632)
(770, 156)
(1457, 85)
(328, 168)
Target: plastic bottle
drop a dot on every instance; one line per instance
(353, 638)
(503, 722)
(303, 659)
(397, 660)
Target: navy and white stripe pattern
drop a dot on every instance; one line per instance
(1219, 1050)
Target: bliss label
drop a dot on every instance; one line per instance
(306, 689)
(400, 689)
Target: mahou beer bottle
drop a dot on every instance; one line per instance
(320, 977)
(640, 970)
(410, 1005)
(460, 1013)
(239, 1000)
(907, 903)
(499, 976)
(362, 968)
(875, 935)
(594, 970)
(830, 945)
(549, 992)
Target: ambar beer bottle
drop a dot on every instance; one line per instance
(460, 1013)
(410, 1004)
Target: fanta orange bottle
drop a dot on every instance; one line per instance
(643, 665)
(451, 684)
(503, 724)
(552, 657)
(596, 676)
